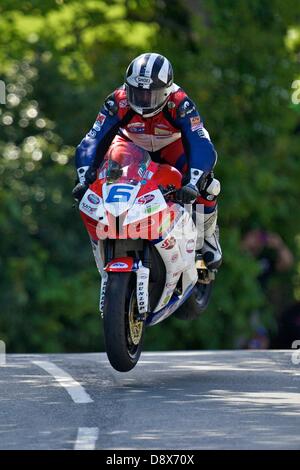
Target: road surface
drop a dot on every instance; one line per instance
(179, 400)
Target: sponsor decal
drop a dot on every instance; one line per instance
(169, 243)
(142, 169)
(148, 175)
(153, 208)
(146, 199)
(141, 296)
(123, 103)
(119, 265)
(195, 123)
(143, 277)
(102, 295)
(166, 300)
(144, 80)
(171, 105)
(100, 118)
(189, 108)
(92, 134)
(136, 124)
(102, 174)
(189, 111)
(94, 199)
(119, 193)
(136, 127)
(201, 133)
(171, 285)
(99, 122)
(190, 246)
(174, 258)
(88, 208)
(186, 108)
(159, 131)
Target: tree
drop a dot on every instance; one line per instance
(59, 59)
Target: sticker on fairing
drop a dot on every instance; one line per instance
(92, 205)
(149, 203)
(146, 199)
(118, 265)
(119, 197)
(169, 243)
(94, 198)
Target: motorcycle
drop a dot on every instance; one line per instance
(144, 242)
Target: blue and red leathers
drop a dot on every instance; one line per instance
(175, 135)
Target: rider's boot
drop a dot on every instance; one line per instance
(211, 250)
(208, 245)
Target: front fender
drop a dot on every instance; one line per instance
(121, 265)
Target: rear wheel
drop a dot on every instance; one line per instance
(196, 303)
(123, 332)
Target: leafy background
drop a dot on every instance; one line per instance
(59, 60)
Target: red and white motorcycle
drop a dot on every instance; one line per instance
(144, 246)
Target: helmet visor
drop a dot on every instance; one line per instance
(146, 99)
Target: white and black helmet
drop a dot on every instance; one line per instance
(148, 83)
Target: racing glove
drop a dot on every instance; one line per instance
(187, 194)
(81, 187)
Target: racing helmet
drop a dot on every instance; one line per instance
(148, 83)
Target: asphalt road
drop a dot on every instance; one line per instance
(194, 400)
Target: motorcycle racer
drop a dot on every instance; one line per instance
(150, 110)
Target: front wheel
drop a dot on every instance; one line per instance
(123, 332)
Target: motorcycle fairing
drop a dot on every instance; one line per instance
(95, 210)
(141, 210)
(119, 197)
(178, 258)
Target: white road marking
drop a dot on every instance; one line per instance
(86, 439)
(74, 389)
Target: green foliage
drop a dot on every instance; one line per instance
(59, 59)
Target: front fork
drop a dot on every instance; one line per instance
(128, 264)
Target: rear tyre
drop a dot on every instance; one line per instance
(123, 333)
(196, 303)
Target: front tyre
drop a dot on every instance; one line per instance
(123, 332)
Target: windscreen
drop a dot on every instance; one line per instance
(126, 163)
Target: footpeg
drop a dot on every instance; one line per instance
(205, 276)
